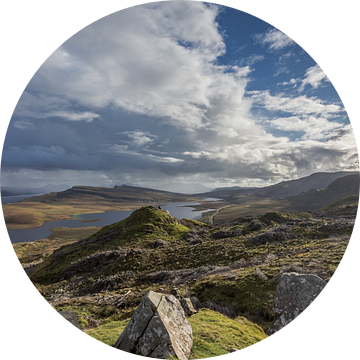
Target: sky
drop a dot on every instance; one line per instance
(175, 95)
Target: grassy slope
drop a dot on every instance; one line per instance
(141, 228)
(37, 251)
(209, 337)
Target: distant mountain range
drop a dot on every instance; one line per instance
(283, 189)
(306, 194)
(316, 189)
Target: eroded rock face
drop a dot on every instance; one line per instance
(157, 329)
(293, 295)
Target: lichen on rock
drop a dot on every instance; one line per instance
(157, 329)
(294, 294)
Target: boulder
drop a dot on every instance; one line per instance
(158, 329)
(188, 307)
(158, 244)
(294, 294)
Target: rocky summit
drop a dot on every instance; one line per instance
(158, 329)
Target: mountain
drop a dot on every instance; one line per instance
(283, 189)
(345, 207)
(232, 188)
(314, 199)
(123, 193)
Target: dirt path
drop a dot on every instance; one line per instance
(217, 211)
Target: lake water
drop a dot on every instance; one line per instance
(178, 210)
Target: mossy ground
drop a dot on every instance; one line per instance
(209, 337)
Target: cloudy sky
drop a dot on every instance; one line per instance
(177, 93)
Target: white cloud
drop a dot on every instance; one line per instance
(252, 59)
(282, 69)
(139, 137)
(314, 76)
(24, 124)
(274, 39)
(296, 105)
(272, 158)
(285, 57)
(87, 116)
(314, 127)
(124, 149)
(157, 59)
(42, 106)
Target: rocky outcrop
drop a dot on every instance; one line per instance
(181, 276)
(275, 235)
(159, 243)
(188, 307)
(158, 329)
(294, 294)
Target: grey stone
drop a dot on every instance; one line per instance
(157, 329)
(188, 307)
(294, 294)
(260, 274)
(158, 244)
(195, 302)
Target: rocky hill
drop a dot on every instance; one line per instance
(111, 245)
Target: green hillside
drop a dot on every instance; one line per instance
(345, 207)
(139, 230)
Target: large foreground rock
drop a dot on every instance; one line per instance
(157, 329)
(293, 295)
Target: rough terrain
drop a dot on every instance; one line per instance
(230, 272)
